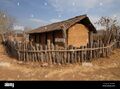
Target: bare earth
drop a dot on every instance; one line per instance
(100, 69)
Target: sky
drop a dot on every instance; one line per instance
(36, 13)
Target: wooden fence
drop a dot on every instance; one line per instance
(54, 55)
(100, 46)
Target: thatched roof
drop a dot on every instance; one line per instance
(65, 25)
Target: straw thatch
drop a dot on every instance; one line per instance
(63, 25)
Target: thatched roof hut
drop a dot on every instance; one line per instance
(75, 31)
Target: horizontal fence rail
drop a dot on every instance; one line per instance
(70, 50)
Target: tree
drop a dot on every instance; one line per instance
(107, 22)
(111, 26)
(6, 22)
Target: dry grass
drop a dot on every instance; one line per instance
(101, 69)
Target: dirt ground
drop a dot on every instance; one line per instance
(100, 69)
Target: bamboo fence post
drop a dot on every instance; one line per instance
(18, 52)
(75, 55)
(78, 54)
(26, 52)
(72, 54)
(103, 50)
(65, 56)
(32, 53)
(29, 54)
(49, 53)
(53, 53)
(56, 55)
(82, 54)
(21, 52)
(68, 57)
(37, 54)
(42, 54)
(88, 52)
(62, 56)
(95, 52)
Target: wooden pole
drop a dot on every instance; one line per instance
(49, 53)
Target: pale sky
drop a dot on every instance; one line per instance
(35, 13)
